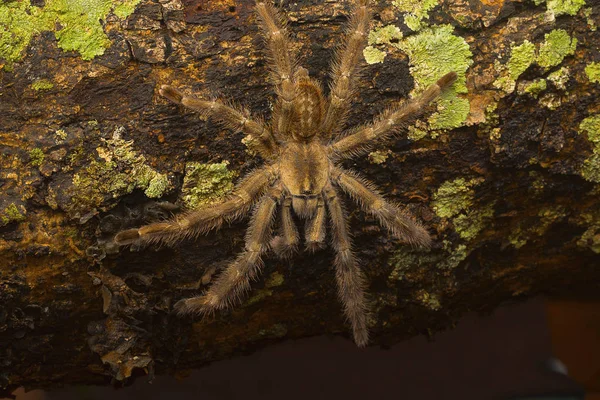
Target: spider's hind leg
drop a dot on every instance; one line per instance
(350, 279)
(235, 280)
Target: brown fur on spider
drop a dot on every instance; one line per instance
(302, 147)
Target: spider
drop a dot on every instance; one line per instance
(302, 147)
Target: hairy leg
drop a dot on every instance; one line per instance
(350, 279)
(202, 220)
(398, 222)
(235, 280)
(286, 243)
(389, 122)
(273, 25)
(315, 228)
(228, 116)
(346, 66)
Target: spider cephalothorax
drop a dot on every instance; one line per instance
(302, 147)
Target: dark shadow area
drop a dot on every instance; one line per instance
(501, 356)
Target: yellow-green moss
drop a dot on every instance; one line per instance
(12, 213)
(455, 200)
(416, 11)
(592, 70)
(76, 25)
(560, 77)
(591, 167)
(529, 229)
(379, 157)
(117, 169)
(373, 55)
(36, 157)
(557, 45)
(42, 84)
(206, 183)
(521, 57)
(560, 7)
(433, 53)
(536, 87)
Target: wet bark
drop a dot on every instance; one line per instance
(510, 195)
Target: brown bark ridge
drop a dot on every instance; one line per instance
(505, 175)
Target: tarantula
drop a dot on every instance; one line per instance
(302, 147)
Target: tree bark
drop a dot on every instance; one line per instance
(507, 186)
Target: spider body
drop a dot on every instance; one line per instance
(302, 147)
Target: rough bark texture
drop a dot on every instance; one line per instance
(505, 175)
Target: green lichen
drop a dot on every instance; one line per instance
(434, 52)
(557, 45)
(417, 131)
(560, 78)
(592, 70)
(591, 167)
(521, 57)
(379, 157)
(385, 35)
(60, 135)
(276, 279)
(373, 55)
(590, 20)
(452, 197)
(42, 84)
(416, 11)
(560, 7)
(591, 237)
(455, 200)
(536, 87)
(430, 300)
(12, 214)
(36, 157)
(206, 183)
(75, 23)
(530, 228)
(117, 169)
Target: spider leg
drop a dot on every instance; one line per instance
(235, 280)
(400, 223)
(273, 25)
(346, 67)
(350, 279)
(229, 117)
(315, 228)
(286, 243)
(202, 220)
(389, 122)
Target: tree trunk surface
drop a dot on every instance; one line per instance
(504, 172)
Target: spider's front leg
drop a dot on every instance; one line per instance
(315, 228)
(229, 117)
(389, 122)
(346, 67)
(350, 279)
(400, 223)
(235, 280)
(283, 64)
(202, 220)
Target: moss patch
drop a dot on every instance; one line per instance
(117, 169)
(556, 47)
(42, 84)
(433, 53)
(12, 213)
(36, 157)
(592, 70)
(206, 183)
(416, 11)
(560, 7)
(591, 167)
(76, 25)
(456, 200)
